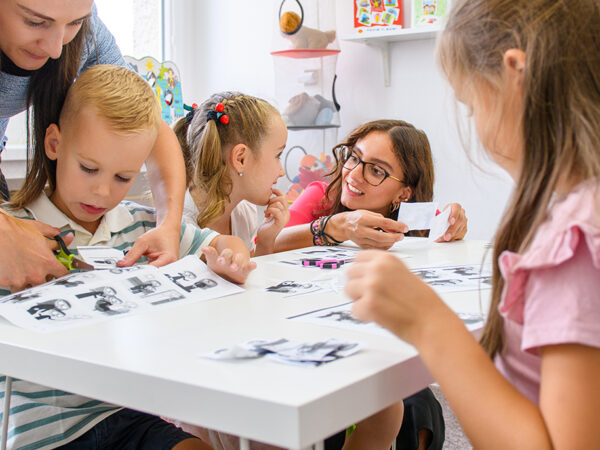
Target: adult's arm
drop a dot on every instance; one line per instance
(365, 228)
(166, 169)
(166, 173)
(27, 258)
(308, 204)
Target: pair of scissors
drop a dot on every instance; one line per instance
(67, 259)
(324, 263)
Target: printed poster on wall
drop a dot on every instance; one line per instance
(427, 13)
(377, 16)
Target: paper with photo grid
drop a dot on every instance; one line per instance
(340, 316)
(88, 297)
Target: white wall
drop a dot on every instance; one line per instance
(225, 45)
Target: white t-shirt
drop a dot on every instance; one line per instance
(244, 219)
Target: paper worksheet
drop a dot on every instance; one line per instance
(86, 297)
(466, 277)
(340, 316)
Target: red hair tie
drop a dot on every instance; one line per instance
(218, 115)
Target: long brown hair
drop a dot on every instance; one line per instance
(46, 94)
(413, 152)
(561, 114)
(204, 143)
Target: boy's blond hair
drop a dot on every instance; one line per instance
(118, 95)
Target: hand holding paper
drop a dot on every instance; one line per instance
(450, 224)
(458, 223)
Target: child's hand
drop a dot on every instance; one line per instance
(160, 245)
(277, 216)
(234, 267)
(386, 292)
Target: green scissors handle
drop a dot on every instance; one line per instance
(67, 259)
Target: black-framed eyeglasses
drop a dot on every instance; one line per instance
(372, 173)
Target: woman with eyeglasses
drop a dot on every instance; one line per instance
(380, 165)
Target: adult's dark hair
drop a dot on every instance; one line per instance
(47, 92)
(413, 153)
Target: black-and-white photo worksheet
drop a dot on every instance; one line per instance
(340, 316)
(85, 297)
(468, 277)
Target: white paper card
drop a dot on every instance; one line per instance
(417, 216)
(100, 257)
(439, 225)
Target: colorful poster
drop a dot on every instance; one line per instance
(426, 13)
(164, 78)
(377, 16)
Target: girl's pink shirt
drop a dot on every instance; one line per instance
(551, 291)
(308, 206)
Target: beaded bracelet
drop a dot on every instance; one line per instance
(320, 237)
(316, 232)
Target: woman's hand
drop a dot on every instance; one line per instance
(276, 218)
(233, 266)
(160, 245)
(458, 224)
(365, 228)
(386, 292)
(27, 258)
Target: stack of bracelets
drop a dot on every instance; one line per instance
(320, 237)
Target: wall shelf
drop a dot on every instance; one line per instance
(384, 40)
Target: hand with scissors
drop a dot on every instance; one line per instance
(67, 259)
(27, 258)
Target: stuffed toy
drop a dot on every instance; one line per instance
(311, 169)
(304, 37)
(306, 110)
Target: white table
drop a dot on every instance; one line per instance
(150, 362)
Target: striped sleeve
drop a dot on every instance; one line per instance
(44, 418)
(194, 238)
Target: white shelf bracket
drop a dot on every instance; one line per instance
(384, 46)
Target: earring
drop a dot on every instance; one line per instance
(240, 174)
(395, 206)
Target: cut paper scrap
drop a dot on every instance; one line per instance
(288, 351)
(417, 216)
(100, 257)
(439, 225)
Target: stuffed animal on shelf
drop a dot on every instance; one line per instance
(311, 169)
(306, 110)
(305, 37)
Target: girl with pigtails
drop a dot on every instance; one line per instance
(232, 145)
